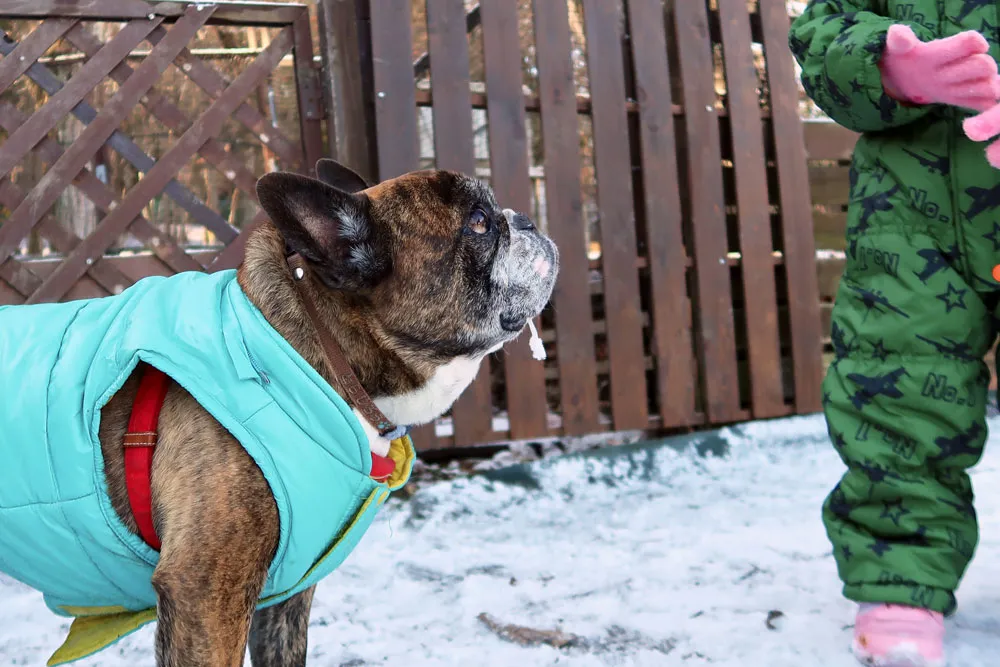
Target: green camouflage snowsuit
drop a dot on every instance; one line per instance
(916, 309)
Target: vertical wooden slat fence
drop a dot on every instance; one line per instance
(574, 336)
(714, 322)
(448, 49)
(640, 131)
(755, 240)
(629, 403)
(697, 309)
(524, 376)
(797, 239)
(345, 42)
(660, 209)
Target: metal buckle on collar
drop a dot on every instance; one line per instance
(397, 433)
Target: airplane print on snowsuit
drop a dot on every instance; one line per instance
(916, 310)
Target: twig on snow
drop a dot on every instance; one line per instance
(525, 636)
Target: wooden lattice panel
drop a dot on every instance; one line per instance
(147, 40)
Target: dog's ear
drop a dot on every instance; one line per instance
(331, 229)
(343, 178)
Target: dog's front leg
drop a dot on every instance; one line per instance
(207, 590)
(218, 522)
(279, 634)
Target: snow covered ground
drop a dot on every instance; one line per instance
(651, 557)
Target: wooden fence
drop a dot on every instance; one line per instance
(83, 268)
(702, 305)
(688, 293)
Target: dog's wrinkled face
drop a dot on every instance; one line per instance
(442, 266)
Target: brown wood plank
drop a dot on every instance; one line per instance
(449, 53)
(172, 117)
(395, 103)
(713, 305)
(472, 415)
(231, 256)
(45, 193)
(829, 185)
(9, 296)
(398, 149)
(86, 79)
(797, 228)
(164, 248)
(17, 275)
(824, 140)
(207, 125)
(91, 9)
(671, 308)
(526, 400)
(243, 14)
(422, 65)
(31, 48)
(613, 167)
(63, 241)
(125, 147)
(104, 199)
(133, 267)
(349, 126)
(213, 83)
(571, 302)
(425, 98)
(310, 102)
(767, 398)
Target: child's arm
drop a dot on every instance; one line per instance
(839, 46)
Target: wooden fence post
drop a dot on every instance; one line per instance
(345, 48)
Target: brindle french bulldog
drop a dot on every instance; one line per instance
(418, 279)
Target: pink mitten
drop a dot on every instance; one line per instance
(955, 70)
(986, 126)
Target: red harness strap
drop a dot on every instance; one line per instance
(140, 442)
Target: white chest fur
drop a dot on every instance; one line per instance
(426, 403)
(376, 442)
(435, 397)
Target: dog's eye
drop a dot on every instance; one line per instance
(479, 222)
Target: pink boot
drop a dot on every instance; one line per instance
(892, 635)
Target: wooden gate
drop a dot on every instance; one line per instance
(643, 136)
(69, 53)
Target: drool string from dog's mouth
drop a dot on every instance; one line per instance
(536, 344)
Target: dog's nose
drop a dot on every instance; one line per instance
(518, 221)
(523, 222)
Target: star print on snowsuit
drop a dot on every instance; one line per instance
(916, 309)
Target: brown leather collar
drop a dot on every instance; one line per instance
(356, 396)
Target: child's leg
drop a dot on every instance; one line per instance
(905, 406)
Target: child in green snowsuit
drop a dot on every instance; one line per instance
(916, 310)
